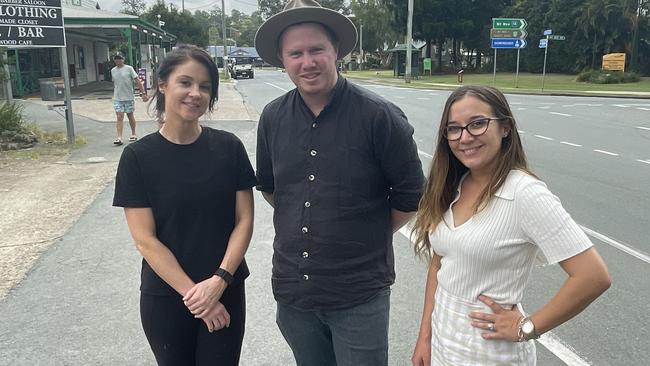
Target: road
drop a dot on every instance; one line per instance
(594, 153)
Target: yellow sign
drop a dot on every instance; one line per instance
(614, 61)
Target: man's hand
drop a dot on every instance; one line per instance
(144, 96)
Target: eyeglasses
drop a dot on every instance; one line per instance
(475, 128)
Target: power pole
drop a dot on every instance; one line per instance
(409, 36)
(223, 30)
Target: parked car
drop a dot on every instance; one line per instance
(238, 70)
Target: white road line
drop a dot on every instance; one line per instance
(543, 137)
(582, 104)
(643, 109)
(521, 109)
(544, 107)
(275, 86)
(547, 103)
(605, 152)
(570, 144)
(434, 94)
(400, 97)
(561, 114)
(563, 351)
(425, 154)
(549, 340)
(620, 105)
(521, 131)
(618, 245)
(642, 128)
(424, 99)
(643, 161)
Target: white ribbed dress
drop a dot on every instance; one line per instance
(493, 254)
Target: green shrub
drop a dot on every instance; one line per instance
(11, 117)
(607, 77)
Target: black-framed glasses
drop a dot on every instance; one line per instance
(475, 128)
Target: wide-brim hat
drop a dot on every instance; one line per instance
(303, 11)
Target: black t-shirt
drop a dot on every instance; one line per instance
(191, 190)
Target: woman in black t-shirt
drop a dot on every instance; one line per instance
(186, 193)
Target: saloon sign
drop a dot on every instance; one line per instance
(31, 23)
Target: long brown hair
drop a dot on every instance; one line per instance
(446, 170)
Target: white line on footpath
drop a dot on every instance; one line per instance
(570, 144)
(618, 245)
(605, 152)
(561, 114)
(549, 340)
(543, 137)
(425, 154)
(642, 128)
(275, 86)
(643, 161)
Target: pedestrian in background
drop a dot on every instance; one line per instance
(340, 167)
(483, 219)
(187, 197)
(123, 77)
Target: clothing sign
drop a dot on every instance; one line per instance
(31, 23)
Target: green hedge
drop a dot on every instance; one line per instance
(608, 77)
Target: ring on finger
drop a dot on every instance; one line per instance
(490, 326)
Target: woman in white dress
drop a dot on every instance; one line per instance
(482, 221)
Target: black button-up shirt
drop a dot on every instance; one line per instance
(335, 178)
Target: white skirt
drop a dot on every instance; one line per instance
(455, 342)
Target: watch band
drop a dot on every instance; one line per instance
(225, 275)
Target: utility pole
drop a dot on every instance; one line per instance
(409, 36)
(223, 30)
(361, 45)
(182, 6)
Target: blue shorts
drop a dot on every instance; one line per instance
(126, 106)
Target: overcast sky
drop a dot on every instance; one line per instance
(246, 6)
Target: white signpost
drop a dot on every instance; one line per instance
(544, 43)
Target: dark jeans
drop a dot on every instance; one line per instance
(177, 338)
(355, 336)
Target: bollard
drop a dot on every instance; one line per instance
(460, 76)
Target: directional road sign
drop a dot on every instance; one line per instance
(508, 43)
(556, 37)
(548, 32)
(508, 33)
(543, 43)
(508, 23)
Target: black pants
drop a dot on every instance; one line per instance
(177, 338)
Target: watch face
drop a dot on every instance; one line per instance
(528, 327)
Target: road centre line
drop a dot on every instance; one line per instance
(642, 128)
(425, 154)
(605, 152)
(570, 144)
(547, 103)
(561, 114)
(423, 98)
(621, 105)
(521, 109)
(544, 107)
(643, 109)
(549, 340)
(521, 131)
(618, 245)
(543, 137)
(643, 161)
(275, 86)
(400, 97)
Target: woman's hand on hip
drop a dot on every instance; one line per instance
(216, 317)
(204, 294)
(502, 324)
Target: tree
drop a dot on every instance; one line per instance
(184, 26)
(132, 7)
(376, 24)
(268, 8)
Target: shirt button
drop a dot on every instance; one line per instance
(305, 230)
(311, 177)
(313, 153)
(305, 277)
(313, 125)
(305, 255)
(307, 204)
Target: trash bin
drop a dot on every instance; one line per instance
(52, 88)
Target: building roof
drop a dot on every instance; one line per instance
(217, 51)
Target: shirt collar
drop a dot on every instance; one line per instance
(507, 189)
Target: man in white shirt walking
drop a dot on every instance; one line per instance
(123, 77)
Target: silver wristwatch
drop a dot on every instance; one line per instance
(527, 329)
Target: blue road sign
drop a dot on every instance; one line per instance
(543, 43)
(548, 32)
(508, 43)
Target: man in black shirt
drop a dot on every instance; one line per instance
(340, 167)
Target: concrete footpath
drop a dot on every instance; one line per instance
(75, 301)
